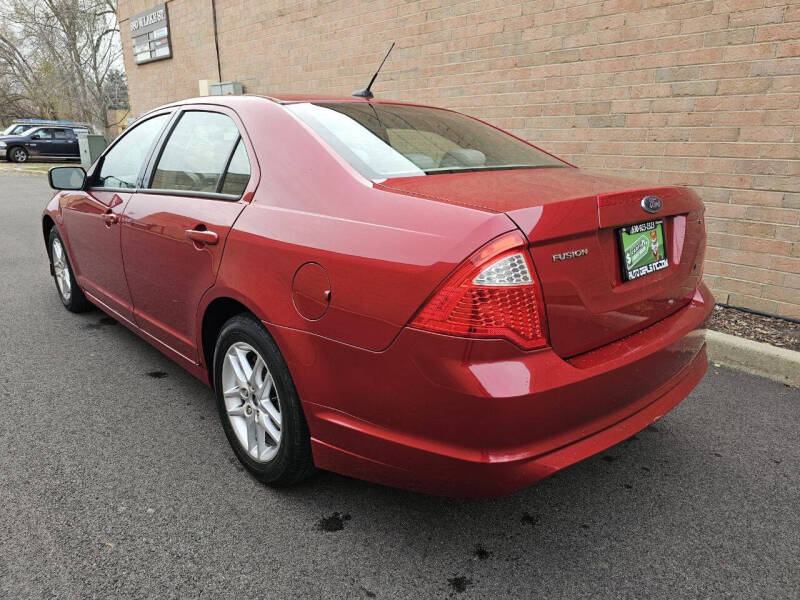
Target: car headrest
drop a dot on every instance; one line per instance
(423, 161)
(463, 157)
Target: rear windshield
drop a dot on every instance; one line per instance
(392, 140)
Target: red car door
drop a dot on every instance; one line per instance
(91, 221)
(174, 230)
(91, 217)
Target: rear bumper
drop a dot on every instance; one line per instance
(459, 417)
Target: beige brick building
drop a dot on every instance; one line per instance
(704, 93)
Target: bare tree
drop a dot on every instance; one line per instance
(13, 101)
(60, 56)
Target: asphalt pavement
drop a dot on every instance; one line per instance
(116, 481)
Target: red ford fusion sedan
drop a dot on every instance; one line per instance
(395, 292)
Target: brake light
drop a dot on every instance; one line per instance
(493, 294)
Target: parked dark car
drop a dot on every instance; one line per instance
(20, 125)
(50, 142)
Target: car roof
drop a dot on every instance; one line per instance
(233, 100)
(296, 98)
(246, 100)
(51, 125)
(29, 127)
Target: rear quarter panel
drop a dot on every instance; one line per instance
(384, 252)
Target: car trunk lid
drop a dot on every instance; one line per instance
(571, 219)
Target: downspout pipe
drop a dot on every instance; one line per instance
(216, 39)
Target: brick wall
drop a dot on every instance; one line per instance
(192, 41)
(704, 93)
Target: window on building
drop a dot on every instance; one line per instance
(196, 153)
(238, 173)
(123, 163)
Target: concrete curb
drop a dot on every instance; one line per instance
(778, 364)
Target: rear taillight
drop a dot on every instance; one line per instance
(493, 294)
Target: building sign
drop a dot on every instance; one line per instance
(150, 35)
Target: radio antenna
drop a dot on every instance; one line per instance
(367, 91)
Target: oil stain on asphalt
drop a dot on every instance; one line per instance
(459, 583)
(335, 522)
(100, 323)
(156, 374)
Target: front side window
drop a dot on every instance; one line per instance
(196, 153)
(395, 140)
(123, 163)
(43, 134)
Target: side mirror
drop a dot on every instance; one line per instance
(67, 178)
(35, 136)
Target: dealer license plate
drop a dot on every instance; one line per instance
(643, 249)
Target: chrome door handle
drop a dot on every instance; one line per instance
(110, 218)
(202, 236)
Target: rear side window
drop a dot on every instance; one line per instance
(62, 134)
(196, 153)
(238, 173)
(123, 163)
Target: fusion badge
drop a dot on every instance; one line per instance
(570, 254)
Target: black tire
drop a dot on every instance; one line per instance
(293, 462)
(75, 301)
(17, 154)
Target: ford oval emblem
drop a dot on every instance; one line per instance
(652, 204)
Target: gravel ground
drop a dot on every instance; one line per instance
(771, 330)
(116, 481)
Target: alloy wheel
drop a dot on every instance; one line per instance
(19, 155)
(252, 402)
(61, 270)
